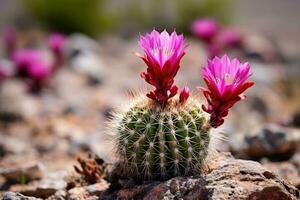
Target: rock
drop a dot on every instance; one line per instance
(296, 119)
(30, 171)
(226, 178)
(98, 188)
(59, 195)
(296, 160)
(260, 47)
(260, 105)
(80, 41)
(83, 53)
(44, 188)
(11, 108)
(241, 179)
(266, 74)
(14, 145)
(2, 150)
(88, 192)
(273, 141)
(17, 196)
(286, 170)
(89, 64)
(77, 193)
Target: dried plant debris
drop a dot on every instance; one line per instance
(92, 169)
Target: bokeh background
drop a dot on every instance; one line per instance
(42, 133)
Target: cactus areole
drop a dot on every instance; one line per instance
(161, 137)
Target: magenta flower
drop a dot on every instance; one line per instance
(31, 64)
(56, 42)
(226, 81)
(205, 29)
(162, 54)
(184, 95)
(229, 37)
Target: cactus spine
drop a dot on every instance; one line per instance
(160, 143)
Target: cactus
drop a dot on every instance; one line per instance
(160, 137)
(157, 142)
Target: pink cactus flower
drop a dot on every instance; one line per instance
(56, 42)
(205, 28)
(226, 81)
(229, 37)
(162, 55)
(31, 64)
(184, 95)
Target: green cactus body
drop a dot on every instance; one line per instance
(160, 143)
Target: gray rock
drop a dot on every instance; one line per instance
(11, 108)
(30, 171)
(269, 141)
(17, 196)
(83, 53)
(286, 170)
(13, 145)
(241, 179)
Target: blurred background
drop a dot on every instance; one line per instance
(83, 68)
(273, 17)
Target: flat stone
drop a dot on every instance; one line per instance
(30, 171)
(225, 178)
(44, 188)
(98, 188)
(17, 196)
